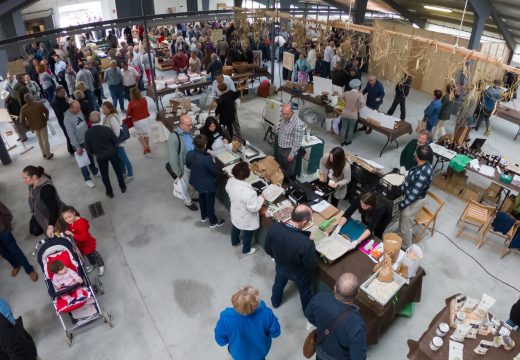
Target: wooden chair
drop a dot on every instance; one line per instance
(426, 217)
(477, 215)
(241, 86)
(509, 237)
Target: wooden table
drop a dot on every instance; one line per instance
(420, 349)
(188, 86)
(495, 179)
(509, 114)
(401, 128)
(359, 264)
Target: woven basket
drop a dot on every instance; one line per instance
(240, 69)
(228, 70)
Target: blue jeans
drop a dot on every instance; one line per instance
(50, 92)
(126, 166)
(116, 93)
(303, 282)
(85, 169)
(235, 238)
(12, 253)
(207, 207)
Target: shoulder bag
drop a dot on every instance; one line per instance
(124, 133)
(313, 339)
(168, 166)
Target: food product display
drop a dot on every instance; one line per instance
(283, 214)
(272, 192)
(394, 179)
(334, 246)
(226, 157)
(382, 291)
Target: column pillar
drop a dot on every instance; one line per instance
(360, 9)
(479, 23)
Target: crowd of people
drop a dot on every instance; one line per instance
(95, 134)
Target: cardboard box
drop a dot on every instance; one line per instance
(440, 182)
(492, 193)
(472, 192)
(508, 205)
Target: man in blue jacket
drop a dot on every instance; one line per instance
(346, 339)
(294, 254)
(375, 93)
(490, 98)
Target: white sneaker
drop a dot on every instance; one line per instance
(90, 184)
(251, 252)
(309, 326)
(88, 269)
(128, 179)
(101, 271)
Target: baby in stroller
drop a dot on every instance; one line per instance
(65, 277)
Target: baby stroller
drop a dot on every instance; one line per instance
(86, 309)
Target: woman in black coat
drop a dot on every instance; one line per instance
(213, 131)
(226, 111)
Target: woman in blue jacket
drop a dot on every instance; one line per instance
(203, 178)
(248, 327)
(302, 69)
(431, 113)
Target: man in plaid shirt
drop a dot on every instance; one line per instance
(415, 186)
(290, 136)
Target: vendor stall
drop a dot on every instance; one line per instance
(424, 349)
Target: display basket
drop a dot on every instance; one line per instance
(365, 297)
(388, 190)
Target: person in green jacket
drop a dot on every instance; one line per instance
(516, 209)
(408, 154)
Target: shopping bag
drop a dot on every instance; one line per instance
(218, 143)
(82, 159)
(180, 190)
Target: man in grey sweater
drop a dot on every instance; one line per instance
(76, 127)
(86, 76)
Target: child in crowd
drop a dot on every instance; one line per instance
(78, 228)
(65, 277)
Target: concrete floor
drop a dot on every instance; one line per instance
(169, 276)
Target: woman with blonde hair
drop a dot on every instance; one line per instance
(248, 327)
(112, 121)
(138, 113)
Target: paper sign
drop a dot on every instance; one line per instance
(288, 60)
(321, 85)
(216, 35)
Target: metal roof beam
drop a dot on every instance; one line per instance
(486, 7)
(406, 13)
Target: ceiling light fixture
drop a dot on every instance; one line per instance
(438, 8)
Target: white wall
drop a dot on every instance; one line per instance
(161, 6)
(108, 8)
(213, 3)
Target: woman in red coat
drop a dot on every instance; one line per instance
(78, 228)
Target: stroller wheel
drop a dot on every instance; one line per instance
(108, 318)
(69, 338)
(99, 285)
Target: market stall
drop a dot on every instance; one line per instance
(487, 336)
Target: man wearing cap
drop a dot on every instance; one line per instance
(34, 116)
(13, 109)
(353, 103)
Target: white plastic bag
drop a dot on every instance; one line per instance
(82, 159)
(335, 125)
(410, 263)
(180, 190)
(218, 143)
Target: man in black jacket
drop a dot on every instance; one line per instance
(339, 76)
(102, 142)
(402, 89)
(294, 253)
